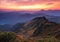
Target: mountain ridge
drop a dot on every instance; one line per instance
(40, 26)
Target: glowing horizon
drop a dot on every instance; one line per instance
(30, 4)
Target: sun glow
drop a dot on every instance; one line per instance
(33, 7)
(27, 7)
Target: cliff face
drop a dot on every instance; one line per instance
(40, 26)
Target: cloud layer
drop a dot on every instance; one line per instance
(38, 4)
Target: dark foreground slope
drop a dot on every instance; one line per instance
(41, 27)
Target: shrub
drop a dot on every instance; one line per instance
(8, 37)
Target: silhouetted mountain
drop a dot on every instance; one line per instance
(17, 27)
(40, 26)
(8, 27)
(53, 18)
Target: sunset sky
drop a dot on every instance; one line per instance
(30, 4)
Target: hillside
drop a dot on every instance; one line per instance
(41, 27)
(38, 29)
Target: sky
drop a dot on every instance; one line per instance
(29, 4)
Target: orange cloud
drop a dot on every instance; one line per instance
(30, 4)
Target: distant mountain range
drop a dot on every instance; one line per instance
(11, 28)
(6, 27)
(24, 16)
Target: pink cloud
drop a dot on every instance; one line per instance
(16, 3)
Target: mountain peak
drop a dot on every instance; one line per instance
(40, 26)
(40, 18)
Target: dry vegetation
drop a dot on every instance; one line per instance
(12, 37)
(37, 39)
